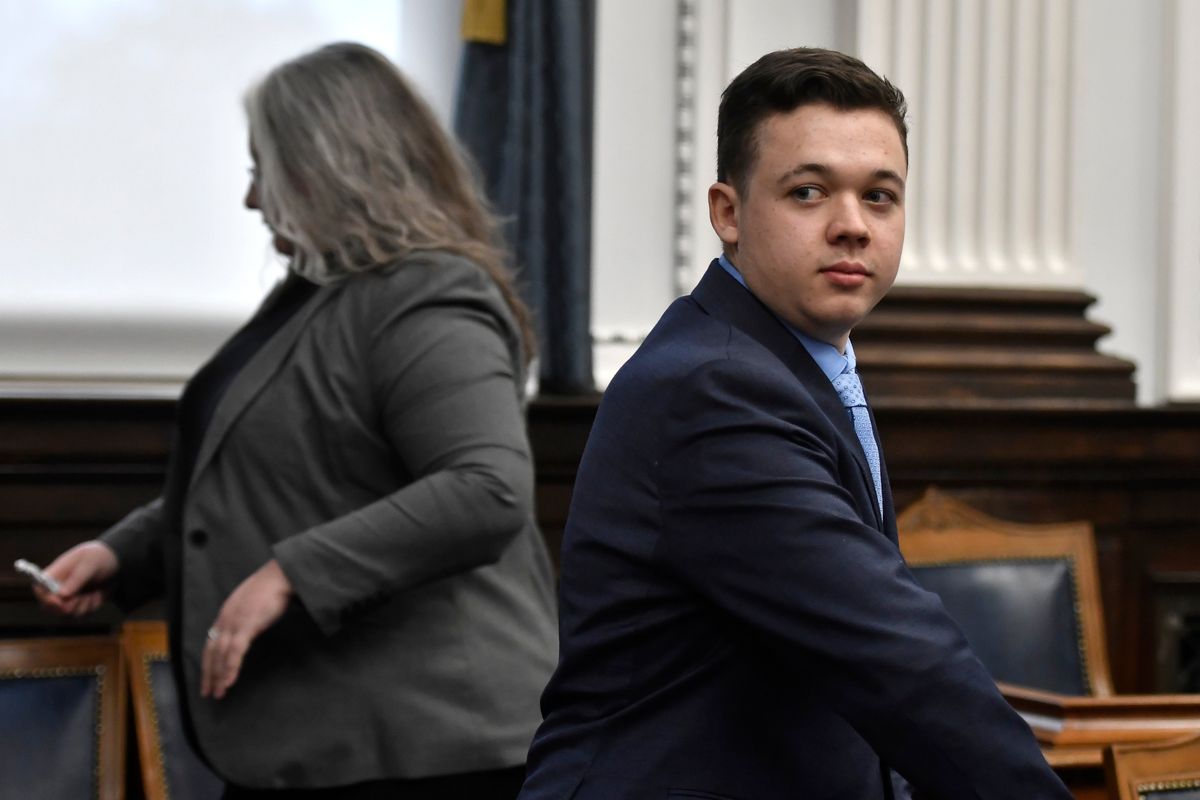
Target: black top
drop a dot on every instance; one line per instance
(206, 388)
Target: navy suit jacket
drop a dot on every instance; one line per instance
(736, 620)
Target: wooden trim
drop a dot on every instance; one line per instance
(142, 643)
(1064, 721)
(1133, 770)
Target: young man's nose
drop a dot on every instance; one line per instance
(848, 222)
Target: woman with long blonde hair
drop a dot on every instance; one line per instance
(359, 600)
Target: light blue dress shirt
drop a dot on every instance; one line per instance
(831, 362)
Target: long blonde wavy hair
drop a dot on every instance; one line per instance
(355, 170)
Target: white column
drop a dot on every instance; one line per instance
(1182, 209)
(988, 85)
(633, 176)
(966, 134)
(696, 147)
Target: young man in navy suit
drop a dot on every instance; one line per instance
(736, 619)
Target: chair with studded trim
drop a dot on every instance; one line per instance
(62, 718)
(1154, 771)
(171, 770)
(1027, 597)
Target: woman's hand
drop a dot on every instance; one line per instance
(253, 607)
(82, 573)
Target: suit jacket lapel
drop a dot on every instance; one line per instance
(723, 297)
(251, 379)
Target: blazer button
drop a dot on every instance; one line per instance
(198, 538)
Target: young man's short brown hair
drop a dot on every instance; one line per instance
(782, 81)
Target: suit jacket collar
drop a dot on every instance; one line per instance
(719, 294)
(257, 372)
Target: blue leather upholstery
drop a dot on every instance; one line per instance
(1019, 616)
(187, 777)
(49, 726)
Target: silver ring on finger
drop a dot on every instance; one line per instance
(213, 634)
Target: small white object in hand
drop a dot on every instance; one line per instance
(36, 575)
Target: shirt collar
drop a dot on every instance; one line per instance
(831, 362)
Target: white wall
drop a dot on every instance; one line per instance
(760, 26)
(1179, 334)
(430, 50)
(632, 176)
(1119, 183)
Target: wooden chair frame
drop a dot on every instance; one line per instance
(95, 655)
(1134, 770)
(143, 642)
(938, 529)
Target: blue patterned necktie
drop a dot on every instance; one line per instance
(849, 389)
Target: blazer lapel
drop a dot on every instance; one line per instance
(723, 297)
(251, 379)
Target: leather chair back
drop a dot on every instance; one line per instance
(1019, 617)
(1027, 597)
(62, 718)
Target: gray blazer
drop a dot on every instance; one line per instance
(376, 447)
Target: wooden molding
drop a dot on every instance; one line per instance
(1005, 346)
(1074, 731)
(1136, 771)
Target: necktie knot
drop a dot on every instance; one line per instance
(849, 389)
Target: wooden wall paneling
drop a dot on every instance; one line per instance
(1170, 640)
(558, 431)
(70, 467)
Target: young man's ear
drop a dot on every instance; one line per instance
(723, 212)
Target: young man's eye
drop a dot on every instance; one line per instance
(879, 197)
(806, 193)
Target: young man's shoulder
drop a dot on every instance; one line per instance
(685, 349)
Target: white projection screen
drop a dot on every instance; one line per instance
(125, 253)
